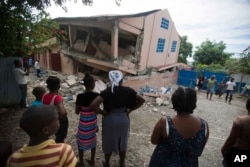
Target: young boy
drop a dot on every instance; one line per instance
(55, 99)
(38, 92)
(40, 122)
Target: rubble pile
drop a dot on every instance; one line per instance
(71, 87)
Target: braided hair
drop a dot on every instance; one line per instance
(184, 100)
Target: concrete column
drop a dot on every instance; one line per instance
(114, 40)
(70, 36)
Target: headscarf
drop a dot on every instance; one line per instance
(115, 77)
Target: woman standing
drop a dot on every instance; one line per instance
(210, 86)
(118, 102)
(86, 136)
(181, 139)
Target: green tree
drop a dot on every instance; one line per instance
(17, 19)
(239, 66)
(185, 50)
(43, 30)
(211, 52)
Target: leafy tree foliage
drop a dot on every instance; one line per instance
(43, 30)
(185, 50)
(17, 20)
(241, 65)
(211, 52)
(212, 67)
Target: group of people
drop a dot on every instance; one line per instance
(118, 101)
(223, 86)
(179, 140)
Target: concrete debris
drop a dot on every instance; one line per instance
(159, 101)
(71, 82)
(70, 86)
(64, 85)
(155, 110)
(99, 86)
(148, 91)
(163, 113)
(72, 77)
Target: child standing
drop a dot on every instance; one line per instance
(86, 136)
(54, 98)
(40, 122)
(38, 92)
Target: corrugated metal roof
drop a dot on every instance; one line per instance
(107, 16)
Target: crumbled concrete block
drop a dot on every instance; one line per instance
(71, 82)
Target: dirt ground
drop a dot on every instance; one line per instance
(219, 115)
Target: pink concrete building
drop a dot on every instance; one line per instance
(134, 44)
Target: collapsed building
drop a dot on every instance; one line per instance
(144, 46)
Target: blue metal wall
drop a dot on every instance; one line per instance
(10, 93)
(187, 78)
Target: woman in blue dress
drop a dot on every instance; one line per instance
(181, 139)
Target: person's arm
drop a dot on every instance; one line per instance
(95, 104)
(157, 134)
(23, 72)
(231, 138)
(207, 135)
(234, 87)
(26, 70)
(139, 102)
(77, 109)
(61, 110)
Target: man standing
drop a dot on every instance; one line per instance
(230, 90)
(37, 67)
(19, 75)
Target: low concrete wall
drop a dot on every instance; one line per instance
(155, 80)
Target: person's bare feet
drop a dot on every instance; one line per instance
(80, 164)
(105, 164)
(91, 163)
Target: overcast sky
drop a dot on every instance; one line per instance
(216, 20)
